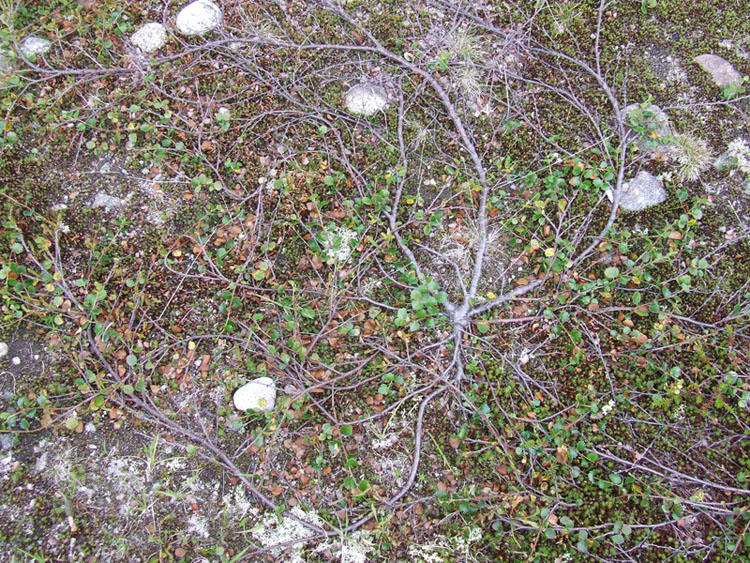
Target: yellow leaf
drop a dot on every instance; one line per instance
(549, 253)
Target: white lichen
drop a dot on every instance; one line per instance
(354, 548)
(237, 505)
(339, 244)
(197, 525)
(739, 153)
(271, 532)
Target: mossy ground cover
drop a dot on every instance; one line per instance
(600, 414)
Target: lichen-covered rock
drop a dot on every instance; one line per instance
(720, 69)
(257, 394)
(35, 46)
(366, 99)
(150, 37)
(198, 18)
(645, 190)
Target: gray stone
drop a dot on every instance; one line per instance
(257, 394)
(35, 46)
(652, 118)
(198, 17)
(721, 70)
(107, 201)
(366, 99)
(150, 37)
(3, 349)
(645, 190)
(7, 441)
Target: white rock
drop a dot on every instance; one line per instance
(16, 361)
(721, 70)
(3, 349)
(35, 46)
(198, 17)
(150, 37)
(645, 190)
(258, 394)
(366, 99)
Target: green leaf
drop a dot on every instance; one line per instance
(346, 430)
(350, 483)
(98, 402)
(611, 272)
(71, 422)
(131, 360)
(127, 388)
(11, 137)
(484, 328)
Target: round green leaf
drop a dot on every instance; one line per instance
(611, 272)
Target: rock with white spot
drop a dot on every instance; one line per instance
(198, 18)
(15, 360)
(35, 46)
(366, 99)
(257, 394)
(3, 349)
(107, 201)
(150, 37)
(645, 190)
(720, 69)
